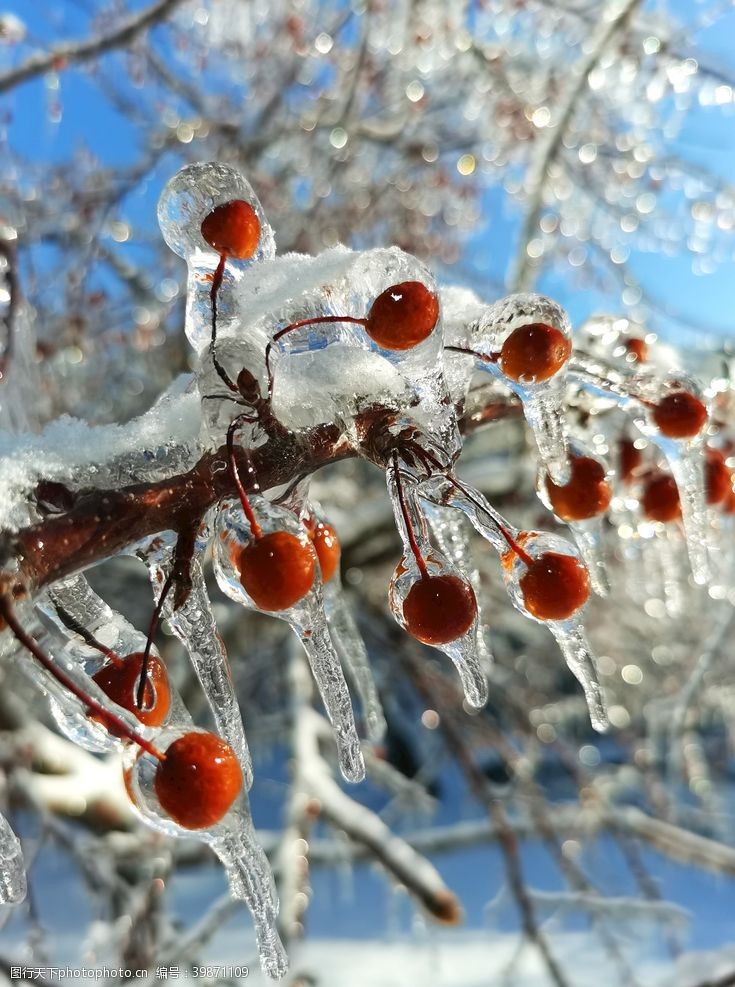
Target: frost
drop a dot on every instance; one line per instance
(306, 617)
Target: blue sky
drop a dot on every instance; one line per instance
(708, 137)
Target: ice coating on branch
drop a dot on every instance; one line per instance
(161, 442)
(194, 625)
(307, 617)
(233, 840)
(13, 885)
(462, 649)
(340, 381)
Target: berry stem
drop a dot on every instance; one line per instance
(155, 618)
(316, 320)
(74, 625)
(246, 505)
(216, 284)
(484, 357)
(512, 543)
(420, 562)
(113, 722)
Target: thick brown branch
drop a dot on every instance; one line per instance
(98, 524)
(70, 52)
(102, 523)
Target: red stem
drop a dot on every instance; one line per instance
(73, 624)
(216, 284)
(114, 723)
(512, 543)
(420, 562)
(155, 617)
(484, 357)
(246, 505)
(300, 325)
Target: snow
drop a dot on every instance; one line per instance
(70, 450)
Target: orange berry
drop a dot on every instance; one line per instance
(120, 683)
(232, 229)
(630, 459)
(637, 348)
(680, 415)
(277, 570)
(586, 494)
(554, 586)
(534, 353)
(660, 499)
(717, 477)
(199, 780)
(327, 547)
(402, 316)
(439, 609)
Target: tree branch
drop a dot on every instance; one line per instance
(70, 52)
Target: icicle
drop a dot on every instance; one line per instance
(351, 649)
(250, 881)
(422, 562)
(13, 885)
(194, 625)
(307, 617)
(573, 644)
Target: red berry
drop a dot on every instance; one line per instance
(660, 499)
(325, 542)
(534, 353)
(402, 316)
(680, 415)
(199, 780)
(586, 494)
(554, 586)
(120, 682)
(630, 459)
(717, 477)
(439, 609)
(637, 348)
(277, 570)
(232, 229)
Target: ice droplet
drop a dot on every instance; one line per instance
(413, 530)
(307, 617)
(452, 536)
(573, 644)
(542, 400)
